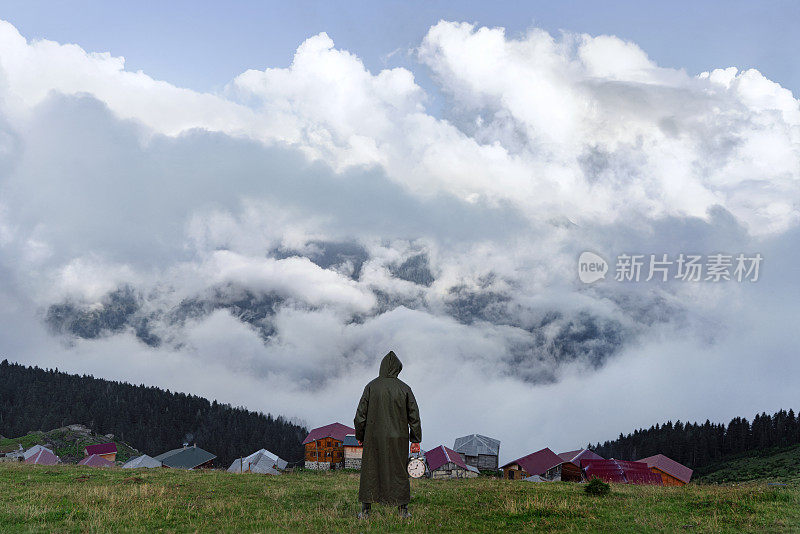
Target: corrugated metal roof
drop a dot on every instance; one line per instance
(101, 448)
(95, 460)
(261, 461)
(351, 441)
(476, 444)
(142, 461)
(258, 462)
(279, 462)
(187, 458)
(669, 466)
(43, 457)
(238, 466)
(605, 470)
(576, 456)
(336, 431)
(264, 465)
(261, 453)
(643, 477)
(441, 455)
(620, 471)
(35, 450)
(536, 463)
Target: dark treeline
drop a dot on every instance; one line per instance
(698, 445)
(148, 418)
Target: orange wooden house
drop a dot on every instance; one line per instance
(672, 473)
(324, 446)
(104, 450)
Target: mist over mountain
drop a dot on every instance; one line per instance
(548, 337)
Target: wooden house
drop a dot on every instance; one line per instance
(324, 446)
(447, 463)
(104, 450)
(565, 471)
(352, 452)
(479, 451)
(672, 473)
(544, 463)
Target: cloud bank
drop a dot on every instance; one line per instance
(266, 245)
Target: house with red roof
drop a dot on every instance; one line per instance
(544, 463)
(33, 450)
(95, 460)
(105, 450)
(620, 472)
(324, 446)
(43, 456)
(581, 454)
(443, 462)
(671, 472)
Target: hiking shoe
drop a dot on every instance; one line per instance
(404, 513)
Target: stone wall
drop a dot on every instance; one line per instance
(352, 463)
(323, 465)
(317, 465)
(451, 470)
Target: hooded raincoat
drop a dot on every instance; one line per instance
(387, 418)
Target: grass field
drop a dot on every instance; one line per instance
(72, 498)
(776, 465)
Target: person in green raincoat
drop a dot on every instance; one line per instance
(386, 420)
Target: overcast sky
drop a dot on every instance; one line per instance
(255, 203)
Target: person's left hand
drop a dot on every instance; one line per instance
(415, 447)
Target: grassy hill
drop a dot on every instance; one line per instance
(773, 465)
(71, 498)
(67, 442)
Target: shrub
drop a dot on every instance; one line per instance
(597, 487)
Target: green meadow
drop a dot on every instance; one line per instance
(69, 498)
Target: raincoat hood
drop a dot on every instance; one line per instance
(390, 366)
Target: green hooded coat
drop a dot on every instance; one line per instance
(387, 418)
